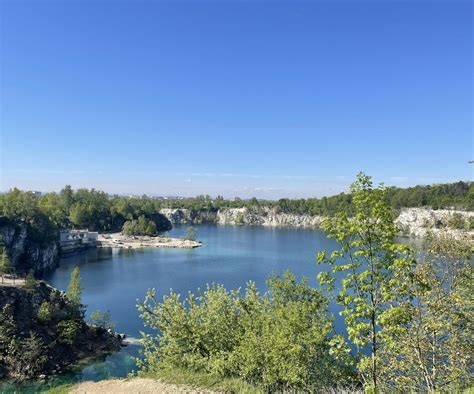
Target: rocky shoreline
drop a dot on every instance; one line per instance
(26, 254)
(415, 222)
(118, 240)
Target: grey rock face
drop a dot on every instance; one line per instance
(241, 216)
(26, 254)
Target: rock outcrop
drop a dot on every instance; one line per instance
(417, 222)
(26, 254)
(241, 216)
(189, 216)
(42, 332)
(411, 221)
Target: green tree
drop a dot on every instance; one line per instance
(277, 341)
(7, 335)
(5, 263)
(141, 226)
(190, 234)
(372, 269)
(30, 280)
(26, 358)
(68, 331)
(102, 320)
(52, 206)
(45, 312)
(74, 289)
(79, 215)
(428, 344)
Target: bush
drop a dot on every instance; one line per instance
(26, 358)
(30, 281)
(456, 221)
(102, 320)
(278, 340)
(141, 226)
(45, 312)
(68, 331)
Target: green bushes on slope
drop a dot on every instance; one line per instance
(276, 340)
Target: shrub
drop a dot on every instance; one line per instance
(141, 226)
(45, 312)
(456, 221)
(102, 320)
(68, 331)
(30, 280)
(278, 340)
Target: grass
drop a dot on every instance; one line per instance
(183, 377)
(64, 389)
(201, 380)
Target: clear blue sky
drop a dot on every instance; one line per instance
(247, 98)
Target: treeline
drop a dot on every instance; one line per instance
(408, 317)
(83, 208)
(459, 195)
(97, 210)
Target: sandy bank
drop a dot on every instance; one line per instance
(117, 240)
(134, 385)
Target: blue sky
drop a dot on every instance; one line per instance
(248, 98)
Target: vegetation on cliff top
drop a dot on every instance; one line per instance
(83, 208)
(97, 210)
(459, 195)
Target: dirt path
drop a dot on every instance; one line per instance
(134, 385)
(8, 281)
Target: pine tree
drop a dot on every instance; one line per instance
(74, 289)
(5, 263)
(30, 280)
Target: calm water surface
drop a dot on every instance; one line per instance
(113, 279)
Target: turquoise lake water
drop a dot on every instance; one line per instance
(113, 279)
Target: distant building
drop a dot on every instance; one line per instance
(73, 241)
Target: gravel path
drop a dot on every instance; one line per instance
(134, 385)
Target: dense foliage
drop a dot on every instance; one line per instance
(277, 340)
(372, 268)
(82, 208)
(408, 316)
(99, 211)
(140, 226)
(458, 195)
(427, 344)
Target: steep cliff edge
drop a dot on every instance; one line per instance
(26, 254)
(241, 216)
(42, 332)
(412, 221)
(417, 222)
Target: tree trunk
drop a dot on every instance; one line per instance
(374, 354)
